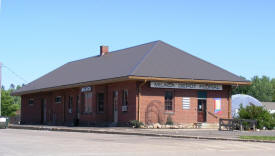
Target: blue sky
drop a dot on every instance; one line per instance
(38, 36)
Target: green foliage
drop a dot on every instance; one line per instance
(135, 123)
(262, 89)
(10, 104)
(258, 113)
(169, 120)
(273, 85)
(270, 138)
(240, 89)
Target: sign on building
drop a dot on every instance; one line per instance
(86, 89)
(218, 105)
(185, 86)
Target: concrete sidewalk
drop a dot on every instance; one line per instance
(174, 133)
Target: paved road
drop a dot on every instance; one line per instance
(49, 143)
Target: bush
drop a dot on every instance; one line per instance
(258, 113)
(135, 123)
(169, 120)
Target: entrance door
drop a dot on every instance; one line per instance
(201, 110)
(77, 113)
(43, 111)
(115, 106)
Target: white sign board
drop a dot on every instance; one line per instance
(86, 89)
(3, 119)
(185, 103)
(185, 86)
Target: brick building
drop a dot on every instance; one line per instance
(148, 82)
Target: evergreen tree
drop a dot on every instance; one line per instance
(10, 104)
(261, 88)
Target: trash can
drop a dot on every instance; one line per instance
(3, 122)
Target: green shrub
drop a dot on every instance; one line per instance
(258, 113)
(135, 123)
(169, 120)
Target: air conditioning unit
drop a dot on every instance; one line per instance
(124, 108)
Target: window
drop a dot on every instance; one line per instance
(77, 104)
(100, 102)
(87, 102)
(168, 101)
(125, 100)
(201, 105)
(70, 104)
(58, 99)
(31, 101)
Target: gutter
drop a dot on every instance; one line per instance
(190, 80)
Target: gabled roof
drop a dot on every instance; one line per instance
(151, 60)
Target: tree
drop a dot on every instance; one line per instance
(258, 113)
(273, 84)
(240, 89)
(261, 88)
(10, 104)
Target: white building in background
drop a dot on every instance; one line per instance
(270, 106)
(244, 100)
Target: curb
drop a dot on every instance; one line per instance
(131, 133)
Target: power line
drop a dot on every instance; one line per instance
(14, 73)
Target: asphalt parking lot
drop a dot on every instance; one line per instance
(50, 143)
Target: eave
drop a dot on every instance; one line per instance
(131, 78)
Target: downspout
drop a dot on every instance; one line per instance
(139, 95)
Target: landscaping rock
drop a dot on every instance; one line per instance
(150, 126)
(156, 125)
(167, 126)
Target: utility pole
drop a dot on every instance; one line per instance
(0, 85)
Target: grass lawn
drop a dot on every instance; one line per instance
(258, 137)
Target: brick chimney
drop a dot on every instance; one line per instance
(104, 50)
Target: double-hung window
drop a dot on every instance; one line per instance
(168, 101)
(125, 100)
(70, 104)
(100, 102)
(87, 102)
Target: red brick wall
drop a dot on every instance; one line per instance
(30, 113)
(123, 117)
(57, 113)
(152, 105)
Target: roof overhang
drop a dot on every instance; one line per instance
(131, 78)
(98, 82)
(190, 80)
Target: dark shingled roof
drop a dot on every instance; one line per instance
(154, 59)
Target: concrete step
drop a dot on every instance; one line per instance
(209, 125)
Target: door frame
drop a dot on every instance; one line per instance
(205, 109)
(43, 111)
(77, 110)
(115, 106)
